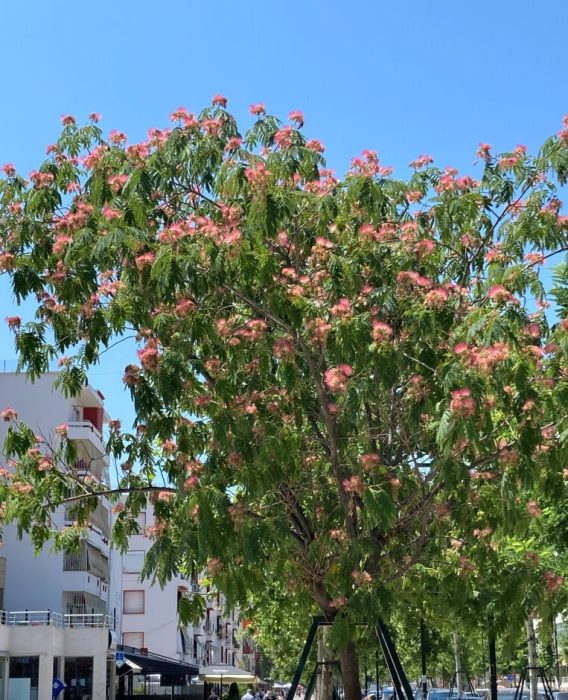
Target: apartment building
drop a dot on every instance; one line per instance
(150, 618)
(59, 610)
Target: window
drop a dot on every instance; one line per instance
(133, 602)
(78, 677)
(133, 561)
(24, 677)
(133, 639)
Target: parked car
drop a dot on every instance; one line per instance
(445, 694)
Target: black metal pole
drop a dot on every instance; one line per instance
(377, 673)
(492, 662)
(423, 659)
(390, 653)
(316, 622)
(555, 629)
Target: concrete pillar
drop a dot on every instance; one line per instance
(45, 675)
(99, 675)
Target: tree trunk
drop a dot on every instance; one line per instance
(457, 655)
(350, 672)
(531, 655)
(324, 681)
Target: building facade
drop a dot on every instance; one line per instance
(150, 615)
(60, 608)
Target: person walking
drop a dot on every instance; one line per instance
(249, 695)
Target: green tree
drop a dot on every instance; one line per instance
(332, 375)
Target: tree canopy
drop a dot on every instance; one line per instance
(337, 378)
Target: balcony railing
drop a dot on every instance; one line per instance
(85, 430)
(47, 618)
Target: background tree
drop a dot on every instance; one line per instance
(332, 374)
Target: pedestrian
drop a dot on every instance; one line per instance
(213, 696)
(249, 695)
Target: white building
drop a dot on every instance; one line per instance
(59, 621)
(150, 615)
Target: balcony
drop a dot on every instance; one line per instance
(98, 540)
(85, 430)
(53, 619)
(87, 583)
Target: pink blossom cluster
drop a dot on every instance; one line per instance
(499, 293)
(354, 484)
(14, 322)
(516, 157)
(319, 329)
(9, 414)
(257, 174)
(369, 166)
(284, 137)
(149, 355)
(342, 309)
(552, 581)
(41, 180)
(462, 403)
(483, 358)
(381, 332)
(369, 461)
(336, 378)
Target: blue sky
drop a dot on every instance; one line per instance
(403, 78)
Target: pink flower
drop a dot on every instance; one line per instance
(421, 161)
(61, 429)
(233, 143)
(315, 145)
(45, 464)
(296, 116)
(338, 602)
(214, 566)
(499, 293)
(95, 117)
(149, 357)
(169, 446)
(191, 482)
(117, 137)
(144, 260)
(381, 332)
(436, 298)
(335, 378)
(258, 109)
(219, 100)
(68, 120)
(354, 484)
(109, 213)
(462, 403)
(284, 137)
(552, 581)
(460, 348)
(369, 461)
(534, 330)
(13, 322)
(424, 247)
(342, 308)
(533, 509)
(9, 170)
(114, 425)
(9, 414)
(184, 307)
(483, 151)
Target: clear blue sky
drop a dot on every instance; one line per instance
(403, 77)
